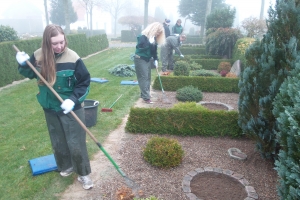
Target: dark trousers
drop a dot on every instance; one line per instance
(68, 141)
(143, 74)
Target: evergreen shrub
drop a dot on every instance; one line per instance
(181, 68)
(189, 93)
(122, 70)
(195, 66)
(163, 152)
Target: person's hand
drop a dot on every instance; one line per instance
(67, 105)
(22, 57)
(156, 63)
(151, 40)
(182, 56)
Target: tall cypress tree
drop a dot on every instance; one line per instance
(269, 63)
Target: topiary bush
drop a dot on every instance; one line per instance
(189, 93)
(181, 68)
(226, 66)
(122, 70)
(163, 152)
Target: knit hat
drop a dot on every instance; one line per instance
(167, 21)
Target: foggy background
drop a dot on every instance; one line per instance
(28, 16)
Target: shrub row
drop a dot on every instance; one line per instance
(184, 122)
(192, 50)
(205, 84)
(211, 64)
(78, 42)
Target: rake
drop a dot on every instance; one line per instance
(130, 183)
(109, 109)
(164, 96)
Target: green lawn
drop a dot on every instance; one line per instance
(24, 135)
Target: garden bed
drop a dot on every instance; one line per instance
(127, 148)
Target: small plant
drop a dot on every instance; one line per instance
(189, 93)
(231, 75)
(223, 73)
(195, 66)
(122, 70)
(226, 66)
(163, 152)
(203, 72)
(181, 68)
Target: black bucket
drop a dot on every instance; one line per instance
(91, 110)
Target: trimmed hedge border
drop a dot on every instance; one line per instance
(205, 84)
(183, 122)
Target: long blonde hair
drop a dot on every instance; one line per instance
(47, 60)
(156, 30)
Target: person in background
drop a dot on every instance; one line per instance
(64, 70)
(166, 27)
(177, 28)
(173, 42)
(146, 49)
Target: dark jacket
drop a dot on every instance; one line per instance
(145, 49)
(177, 29)
(72, 80)
(167, 30)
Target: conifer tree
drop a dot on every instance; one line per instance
(269, 63)
(287, 113)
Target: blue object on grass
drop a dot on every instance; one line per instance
(42, 164)
(99, 80)
(129, 82)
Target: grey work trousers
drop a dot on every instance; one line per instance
(143, 74)
(166, 56)
(68, 141)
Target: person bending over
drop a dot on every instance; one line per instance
(173, 42)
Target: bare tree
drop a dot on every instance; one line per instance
(89, 5)
(46, 12)
(115, 9)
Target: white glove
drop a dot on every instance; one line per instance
(182, 56)
(67, 105)
(151, 40)
(176, 34)
(22, 57)
(156, 63)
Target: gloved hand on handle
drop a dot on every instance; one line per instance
(156, 63)
(182, 56)
(67, 105)
(22, 57)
